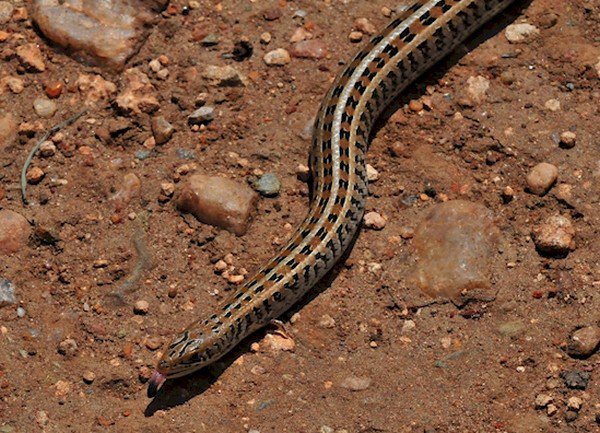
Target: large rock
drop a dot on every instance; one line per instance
(218, 201)
(455, 245)
(14, 231)
(104, 32)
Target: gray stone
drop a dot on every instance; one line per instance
(455, 245)
(268, 185)
(7, 293)
(202, 115)
(104, 32)
(576, 379)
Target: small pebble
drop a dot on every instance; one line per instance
(543, 400)
(508, 194)
(265, 38)
(554, 236)
(365, 26)
(202, 115)
(53, 89)
(568, 139)
(68, 347)
(575, 403)
(303, 172)
(312, 49)
(161, 129)
(326, 429)
(14, 233)
(354, 383)
(552, 104)
(355, 36)
(7, 293)
(34, 175)
(571, 416)
(372, 174)
(153, 343)
(576, 379)
(141, 307)
(551, 409)
(268, 185)
(375, 221)
(278, 57)
(47, 149)
(521, 32)
(31, 57)
(584, 342)
(327, 321)
(44, 107)
(541, 178)
(167, 189)
(21, 312)
(300, 34)
(89, 377)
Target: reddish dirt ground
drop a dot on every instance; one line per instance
(473, 369)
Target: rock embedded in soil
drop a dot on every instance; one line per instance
(455, 245)
(584, 342)
(104, 32)
(541, 178)
(7, 293)
(161, 129)
(218, 201)
(14, 231)
(355, 383)
(554, 236)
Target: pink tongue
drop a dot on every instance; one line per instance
(155, 381)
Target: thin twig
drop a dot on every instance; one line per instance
(51, 131)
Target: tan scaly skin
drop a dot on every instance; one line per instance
(414, 41)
